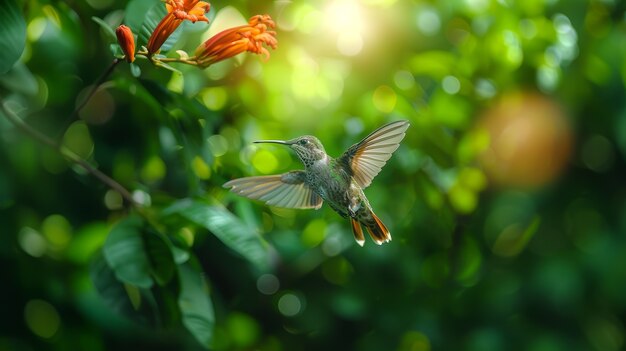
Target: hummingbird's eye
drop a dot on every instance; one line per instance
(303, 142)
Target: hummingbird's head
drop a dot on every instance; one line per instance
(307, 147)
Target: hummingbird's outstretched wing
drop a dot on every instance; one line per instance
(366, 158)
(282, 190)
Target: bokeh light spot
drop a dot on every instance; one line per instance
(218, 145)
(314, 233)
(42, 318)
(243, 329)
(36, 28)
(530, 140)
(310, 20)
(100, 107)
(289, 305)
(485, 88)
(264, 161)
(113, 200)
(350, 43)
(514, 53)
(331, 246)
(78, 140)
(473, 178)
(57, 230)
(451, 85)
(428, 21)
(154, 169)
(528, 28)
(214, 98)
(344, 18)
(404, 80)
(548, 78)
(597, 154)
(142, 197)
(384, 99)
(463, 199)
(200, 168)
(32, 242)
(414, 341)
(268, 284)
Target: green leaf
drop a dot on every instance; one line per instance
(20, 80)
(12, 35)
(168, 67)
(136, 12)
(135, 70)
(115, 294)
(227, 227)
(107, 28)
(195, 304)
(160, 256)
(125, 252)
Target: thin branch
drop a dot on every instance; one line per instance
(71, 156)
(96, 85)
(91, 93)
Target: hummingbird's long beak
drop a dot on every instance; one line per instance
(282, 142)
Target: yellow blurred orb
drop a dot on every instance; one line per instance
(530, 140)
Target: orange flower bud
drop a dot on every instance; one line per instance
(127, 42)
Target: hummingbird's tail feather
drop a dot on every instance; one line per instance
(357, 231)
(379, 233)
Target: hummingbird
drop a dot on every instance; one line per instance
(338, 181)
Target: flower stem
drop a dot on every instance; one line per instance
(156, 60)
(68, 154)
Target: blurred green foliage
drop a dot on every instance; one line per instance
(506, 198)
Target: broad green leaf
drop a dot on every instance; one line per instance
(125, 252)
(111, 290)
(136, 11)
(115, 294)
(195, 304)
(105, 26)
(227, 227)
(160, 256)
(12, 35)
(21, 80)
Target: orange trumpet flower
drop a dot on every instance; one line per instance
(234, 41)
(177, 12)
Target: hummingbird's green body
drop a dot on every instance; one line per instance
(339, 181)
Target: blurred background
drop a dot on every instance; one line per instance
(506, 199)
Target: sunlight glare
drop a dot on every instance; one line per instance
(345, 19)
